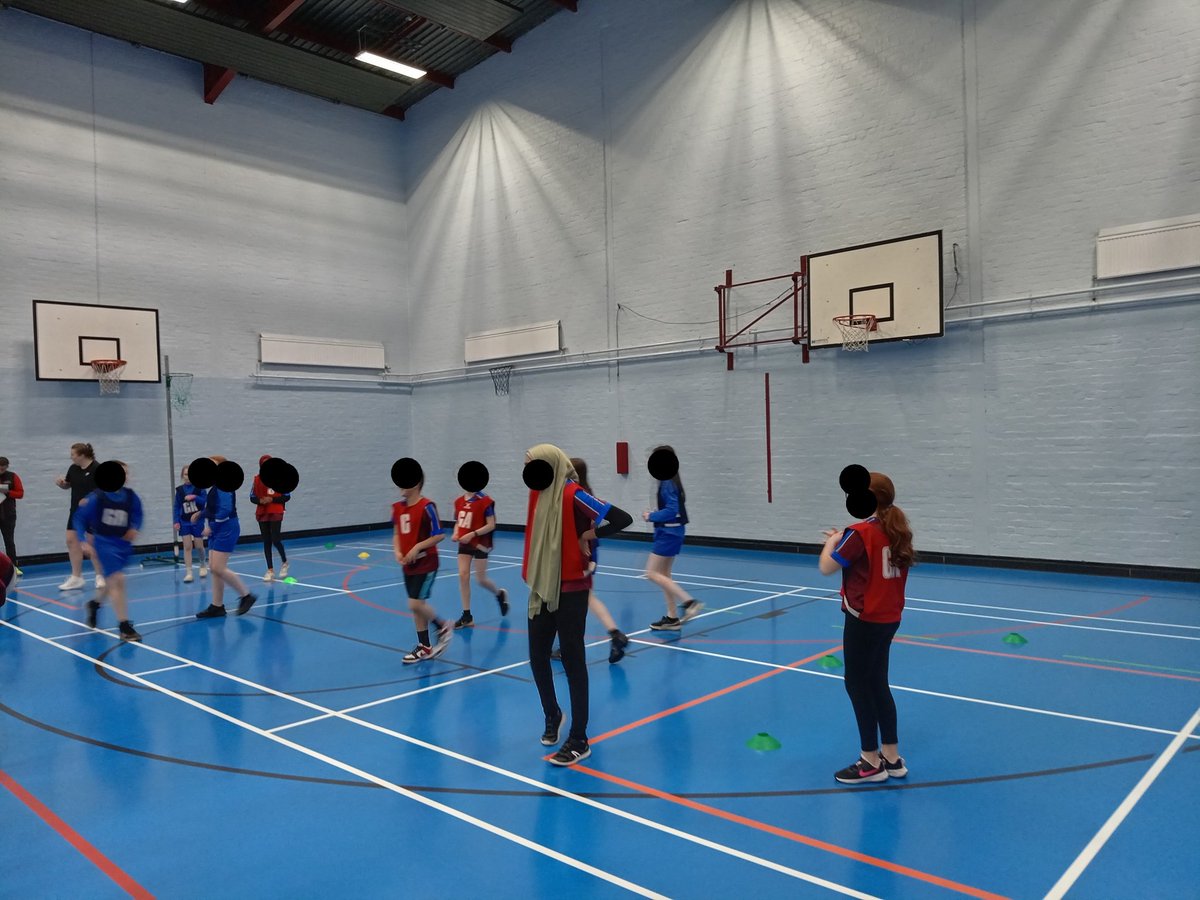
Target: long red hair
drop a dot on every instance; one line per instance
(894, 521)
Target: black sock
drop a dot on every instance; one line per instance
(423, 637)
(614, 631)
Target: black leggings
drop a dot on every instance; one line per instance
(8, 526)
(270, 535)
(568, 623)
(866, 646)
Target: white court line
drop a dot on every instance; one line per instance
(360, 773)
(163, 669)
(1106, 831)
(912, 690)
(776, 584)
(273, 603)
(474, 675)
(469, 760)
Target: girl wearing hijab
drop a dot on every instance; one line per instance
(561, 522)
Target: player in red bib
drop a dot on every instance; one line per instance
(874, 556)
(416, 534)
(474, 522)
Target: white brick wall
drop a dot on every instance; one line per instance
(629, 154)
(268, 211)
(710, 134)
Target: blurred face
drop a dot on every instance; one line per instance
(3, 468)
(184, 473)
(78, 458)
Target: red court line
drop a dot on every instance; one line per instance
(76, 840)
(29, 593)
(771, 673)
(1067, 621)
(1057, 662)
(793, 836)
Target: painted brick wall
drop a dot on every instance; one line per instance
(268, 211)
(699, 135)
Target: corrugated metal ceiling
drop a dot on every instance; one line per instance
(310, 45)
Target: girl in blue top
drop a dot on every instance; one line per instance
(107, 524)
(190, 500)
(669, 521)
(223, 529)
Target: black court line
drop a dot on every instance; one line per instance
(610, 795)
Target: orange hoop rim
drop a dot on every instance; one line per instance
(106, 365)
(865, 320)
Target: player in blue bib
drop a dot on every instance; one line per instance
(107, 523)
(189, 502)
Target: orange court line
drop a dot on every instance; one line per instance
(28, 593)
(771, 673)
(76, 840)
(1057, 662)
(793, 836)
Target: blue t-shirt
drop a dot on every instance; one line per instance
(109, 515)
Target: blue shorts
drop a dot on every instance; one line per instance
(667, 541)
(112, 554)
(193, 529)
(225, 536)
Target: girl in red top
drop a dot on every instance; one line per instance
(474, 522)
(11, 490)
(874, 556)
(416, 532)
(268, 510)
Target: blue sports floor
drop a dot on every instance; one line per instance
(289, 753)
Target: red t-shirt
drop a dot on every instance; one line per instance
(414, 524)
(872, 588)
(471, 514)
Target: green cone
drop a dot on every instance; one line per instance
(830, 662)
(289, 580)
(1014, 638)
(763, 741)
(329, 545)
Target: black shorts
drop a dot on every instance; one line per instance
(473, 552)
(420, 585)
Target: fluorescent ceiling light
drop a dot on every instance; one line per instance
(391, 65)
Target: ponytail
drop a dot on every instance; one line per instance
(894, 522)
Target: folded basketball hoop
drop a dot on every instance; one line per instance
(856, 331)
(108, 373)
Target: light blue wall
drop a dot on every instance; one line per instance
(268, 211)
(628, 154)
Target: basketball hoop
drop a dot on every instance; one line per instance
(108, 373)
(856, 331)
(500, 377)
(179, 388)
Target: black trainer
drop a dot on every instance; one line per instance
(466, 620)
(93, 607)
(553, 733)
(666, 623)
(502, 599)
(570, 753)
(213, 612)
(861, 772)
(617, 651)
(895, 769)
(245, 603)
(128, 632)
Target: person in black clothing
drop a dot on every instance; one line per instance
(11, 490)
(79, 481)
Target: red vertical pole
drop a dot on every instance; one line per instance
(795, 307)
(767, 392)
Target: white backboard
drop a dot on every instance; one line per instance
(899, 281)
(68, 336)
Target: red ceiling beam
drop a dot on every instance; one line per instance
(567, 4)
(277, 14)
(395, 111)
(216, 79)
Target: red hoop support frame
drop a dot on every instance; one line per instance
(798, 296)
